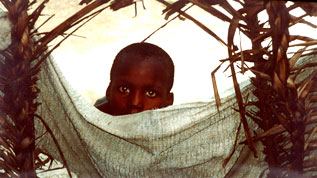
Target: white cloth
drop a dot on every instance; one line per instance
(189, 140)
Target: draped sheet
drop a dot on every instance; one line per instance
(187, 140)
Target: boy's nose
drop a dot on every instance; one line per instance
(136, 101)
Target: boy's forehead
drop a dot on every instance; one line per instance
(140, 64)
(142, 68)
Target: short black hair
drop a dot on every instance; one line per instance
(146, 51)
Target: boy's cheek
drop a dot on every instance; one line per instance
(154, 104)
(119, 108)
(120, 101)
(117, 101)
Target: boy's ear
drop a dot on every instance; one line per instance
(170, 99)
(108, 91)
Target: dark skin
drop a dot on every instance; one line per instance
(137, 86)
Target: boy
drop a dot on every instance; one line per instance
(141, 78)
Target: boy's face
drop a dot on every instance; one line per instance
(137, 87)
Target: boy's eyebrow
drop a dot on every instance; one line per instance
(155, 87)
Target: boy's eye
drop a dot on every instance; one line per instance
(150, 93)
(124, 89)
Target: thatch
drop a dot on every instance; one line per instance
(286, 110)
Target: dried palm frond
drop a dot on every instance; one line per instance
(286, 104)
(119, 4)
(285, 90)
(18, 81)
